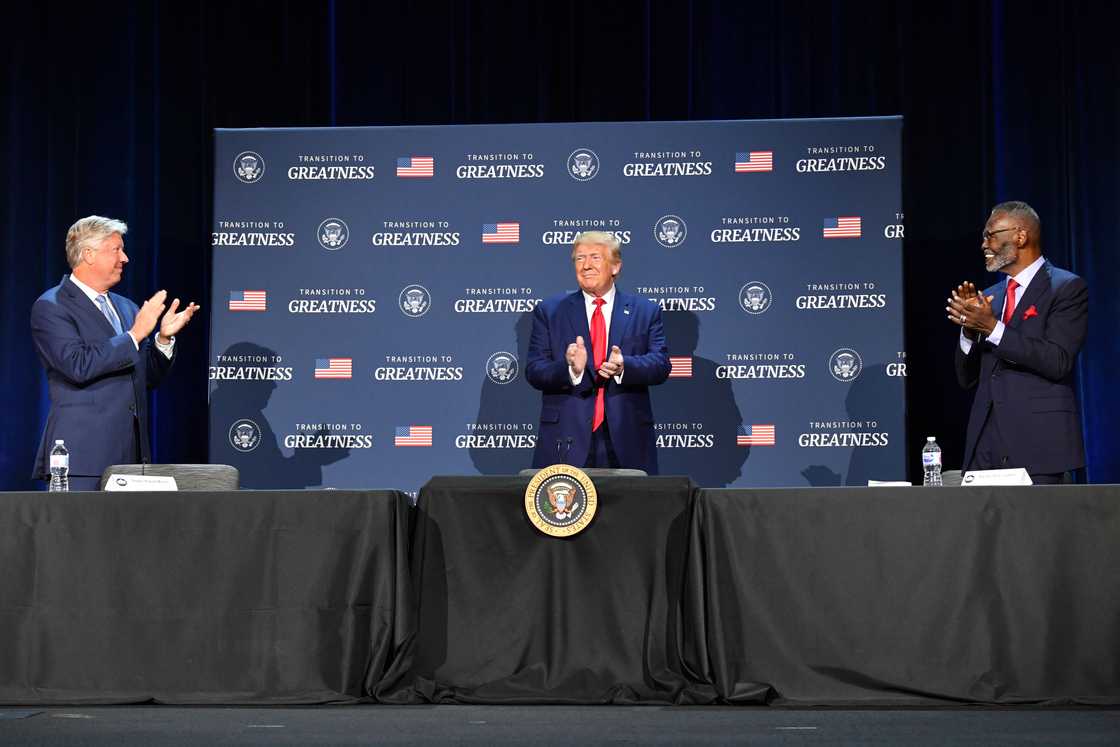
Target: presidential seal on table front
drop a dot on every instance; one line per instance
(561, 500)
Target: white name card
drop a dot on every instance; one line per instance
(146, 483)
(1017, 476)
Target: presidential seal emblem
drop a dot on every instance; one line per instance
(583, 164)
(333, 234)
(755, 297)
(414, 301)
(248, 167)
(244, 435)
(845, 365)
(561, 500)
(670, 231)
(501, 367)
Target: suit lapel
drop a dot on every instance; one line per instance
(1039, 286)
(80, 304)
(998, 295)
(620, 318)
(577, 319)
(123, 311)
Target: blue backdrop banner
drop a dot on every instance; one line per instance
(373, 290)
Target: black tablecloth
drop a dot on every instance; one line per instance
(907, 595)
(246, 597)
(672, 595)
(506, 614)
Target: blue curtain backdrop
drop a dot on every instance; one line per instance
(109, 109)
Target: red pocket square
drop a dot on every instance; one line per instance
(1032, 311)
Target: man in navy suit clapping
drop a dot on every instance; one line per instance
(1019, 340)
(99, 357)
(594, 354)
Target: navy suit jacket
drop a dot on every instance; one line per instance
(567, 411)
(98, 380)
(1027, 380)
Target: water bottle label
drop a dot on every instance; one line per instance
(60, 461)
(931, 458)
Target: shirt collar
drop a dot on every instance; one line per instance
(90, 292)
(1027, 274)
(589, 299)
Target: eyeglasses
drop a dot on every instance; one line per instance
(989, 234)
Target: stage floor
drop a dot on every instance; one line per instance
(560, 725)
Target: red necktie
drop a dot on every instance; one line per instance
(598, 355)
(1009, 305)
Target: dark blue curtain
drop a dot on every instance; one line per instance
(109, 109)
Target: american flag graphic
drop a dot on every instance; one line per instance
(334, 368)
(508, 232)
(416, 166)
(248, 301)
(842, 228)
(756, 160)
(413, 435)
(681, 366)
(755, 435)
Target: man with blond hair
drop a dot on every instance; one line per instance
(594, 354)
(99, 357)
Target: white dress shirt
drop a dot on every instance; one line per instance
(1024, 279)
(92, 295)
(589, 307)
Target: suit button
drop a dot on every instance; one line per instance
(132, 408)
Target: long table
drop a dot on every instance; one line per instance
(907, 596)
(672, 595)
(245, 597)
(508, 615)
(896, 596)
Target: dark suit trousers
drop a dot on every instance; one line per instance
(991, 449)
(991, 453)
(93, 482)
(601, 453)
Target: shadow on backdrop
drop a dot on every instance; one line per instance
(864, 404)
(678, 401)
(264, 467)
(511, 402)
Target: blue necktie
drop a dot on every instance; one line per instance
(103, 302)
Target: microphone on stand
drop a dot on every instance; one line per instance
(563, 458)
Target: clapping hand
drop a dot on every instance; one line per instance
(147, 316)
(576, 356)
(173, 322)
(971, 310)
(612, 366)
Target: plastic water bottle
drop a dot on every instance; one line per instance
(60, 468)
(931, 462)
